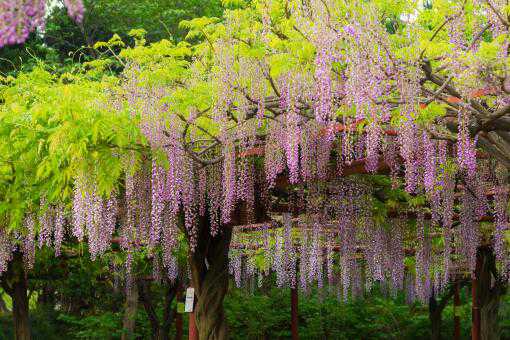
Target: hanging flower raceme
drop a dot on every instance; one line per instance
(229, 182)
(466, 146)
(93, 216)
(288, 103)
(325, 40)
(468, 231)
(6, 248)
(423, 260)
(75, 9)
(59, 231)
(19, 18)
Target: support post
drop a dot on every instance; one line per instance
(130, 310)
(294, 313)
(456, 312)
(192, 329)
(178, 316)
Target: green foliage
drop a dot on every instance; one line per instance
(103, 326)
(322, 316)
(52, 128)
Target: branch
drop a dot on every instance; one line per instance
(479, 35)
(436, 32)
(144, 289)
(498, 13)
(495, 116)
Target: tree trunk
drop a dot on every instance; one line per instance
(131, 306)
(15, 283)
(209, 271)
(436, 310)
(435, 317)
(489, 290)
(209, 267)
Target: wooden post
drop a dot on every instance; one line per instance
(294, 313)
(475, 310)
(130, 309)
(456, 311)
(192, 329)
(178, 316)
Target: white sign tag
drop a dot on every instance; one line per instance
(190, 298)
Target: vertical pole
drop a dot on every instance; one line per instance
(178, 316)
(475, 311)
(456, 312)
(192, 332)
(294, 313)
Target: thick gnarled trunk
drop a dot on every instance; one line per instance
(489, 290)
(15, 283)
(209, 270)
(209, 267)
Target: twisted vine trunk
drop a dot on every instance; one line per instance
(209, 266)
(15, 283)
(209, 271)
(489, 290)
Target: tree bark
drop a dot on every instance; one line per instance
(489, 290)
(15, 283)
(131, 306)
(209, 267)
(209, 271)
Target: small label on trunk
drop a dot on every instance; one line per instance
(190, 298)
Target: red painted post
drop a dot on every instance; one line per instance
(294, 313)
(192, 332)
(456, 312)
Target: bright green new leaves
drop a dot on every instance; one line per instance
(54, 128)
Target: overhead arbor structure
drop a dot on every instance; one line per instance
(272, 108)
